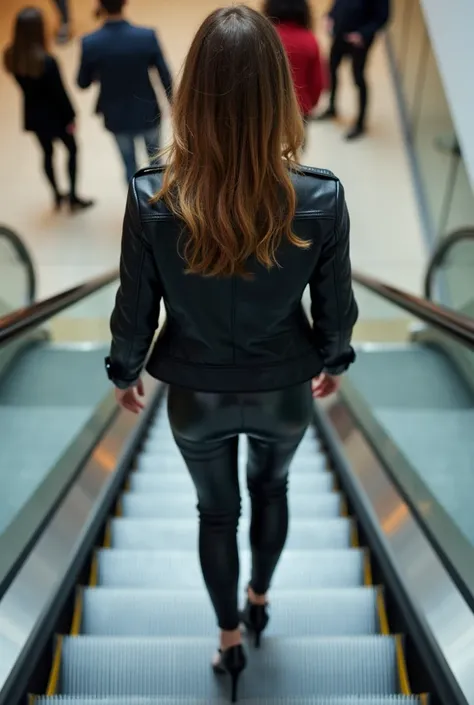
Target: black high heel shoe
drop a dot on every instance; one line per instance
(255, 619)
(232, 661)
(79, 204)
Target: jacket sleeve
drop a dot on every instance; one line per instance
(59, 93)
(380, 15)
(333, 307)
(159, 62)
(137, 306)
(85, 77)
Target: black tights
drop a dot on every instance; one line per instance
(206, 428)
(47, 145)
(340, 49)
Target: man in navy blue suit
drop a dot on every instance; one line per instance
(119, 57)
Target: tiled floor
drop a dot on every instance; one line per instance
(386, 235)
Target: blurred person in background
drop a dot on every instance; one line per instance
(64, 32)
(48, 112)
(118, 57)
(228, 234)
(293, 22)
(353, 25)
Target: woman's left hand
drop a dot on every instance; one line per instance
(129, 398)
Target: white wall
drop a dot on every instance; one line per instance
(451, 27)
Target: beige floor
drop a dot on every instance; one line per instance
(386, 236)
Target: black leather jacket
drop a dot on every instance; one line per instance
(234, 334)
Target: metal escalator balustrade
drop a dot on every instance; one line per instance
(144, 632)
(54, 402)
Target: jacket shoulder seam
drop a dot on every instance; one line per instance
(315, 171)
(158, 169)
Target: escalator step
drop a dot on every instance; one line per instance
(164, 458)
(124, 700)
(175, 505)
(149, 613)
(177, 570)
(180, 667)
(149, 481)
(181, 534)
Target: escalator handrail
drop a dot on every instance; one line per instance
(439, 256)
(25, 258)
(454, 325)
(15, 324)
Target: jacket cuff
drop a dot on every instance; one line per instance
(115, 374)
(341, 365)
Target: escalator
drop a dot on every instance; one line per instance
(101, 597)
(146, 629)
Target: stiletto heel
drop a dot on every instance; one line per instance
(59, 199)
(232, 661)
(235, 681)
(255, 619)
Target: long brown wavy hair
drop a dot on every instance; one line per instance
(26, 55)
(237, 131)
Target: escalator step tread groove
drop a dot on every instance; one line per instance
(183, 505)
(293, 613)
(160, 534)
(143, 481)
(180, 569)
(180, 666)
(347, 700)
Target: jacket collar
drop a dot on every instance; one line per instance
(116, 23)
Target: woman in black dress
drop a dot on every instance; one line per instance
(47, 109)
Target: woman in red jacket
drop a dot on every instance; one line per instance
(293, 22)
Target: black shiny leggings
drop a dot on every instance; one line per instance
(47, 145)
(206, 428)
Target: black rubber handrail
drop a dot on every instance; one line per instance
(15, 324)
(454, 325)
(25, 258)
(439, 256)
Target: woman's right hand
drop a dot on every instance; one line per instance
(325, 385)
(129, 399)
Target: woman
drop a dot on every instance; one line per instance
(293, 22)
(47, 109)
(229, 234)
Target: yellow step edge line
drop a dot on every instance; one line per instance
(336, 487)
(402, 667)
(32, 699)
(118, 508)
(94, 576)
(424, 699)
(367, 569)
(77, 615)
(344, 509)
(108, 534)
(127, 485)
(382, 613)
(354, 534)
(53, 683)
